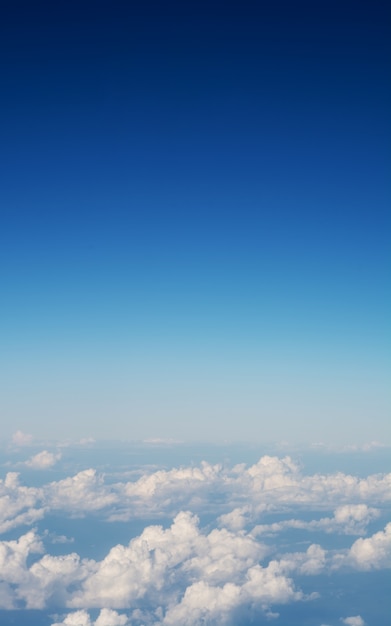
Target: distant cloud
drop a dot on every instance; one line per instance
(20, 438)
(239, 496)
(356, 620)
(106, 617)
(158, 441)
(348, 519)
(54, 538)
(43, 460)
(245, 493)
(362, 447)
(86, 442)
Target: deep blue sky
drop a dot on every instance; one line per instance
(195, 235)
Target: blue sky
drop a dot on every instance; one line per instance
(195, 221)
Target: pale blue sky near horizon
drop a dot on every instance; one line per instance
(195, 234)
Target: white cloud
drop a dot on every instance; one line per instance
(54, 538)
(86, 442)
(236, 519)
(80, 493)
(77, 618)
(240, 495)
(354, 517)
(13, 566)
(49, 579)
(19, 505)
(20, 438)
(373, 552)
(204, 603)
(43, 460)
(159, 441)
(245, 494)
(309, 563)
(356, 620)
(129, 572)
(186, 574)
(348, 519)
(106, 617)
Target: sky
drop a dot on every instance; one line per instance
(194, 238)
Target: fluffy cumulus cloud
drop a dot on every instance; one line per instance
(19, 438)
(84, 492)
(19, 505)
(165, 563)
(106, 617)
(187, 575)
(355, 620)
(311, 562)
(349, 519)
(187, 571)
(241, 495)
(43, 460)
(14, 572)
(372, 552)
(171, 490)
(268, 485)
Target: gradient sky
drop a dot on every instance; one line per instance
(195, 220)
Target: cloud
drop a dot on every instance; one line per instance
(19, 505)
(351, 516)
(178, 554)
(13, 566)
(236, 519)
(239, 496)
(43, 460)
(84, 492)
(20, 438)
(159, 441)
(165, 481)
(54, 538)
(373, 552)
(245, 494)
(106, 617)
(356, 620)
(348, 519)
(203, 602)
(184, 573)
(309, 563)
(77, 618)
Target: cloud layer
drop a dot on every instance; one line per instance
(185, 572)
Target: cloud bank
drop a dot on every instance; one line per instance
(185, 571)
